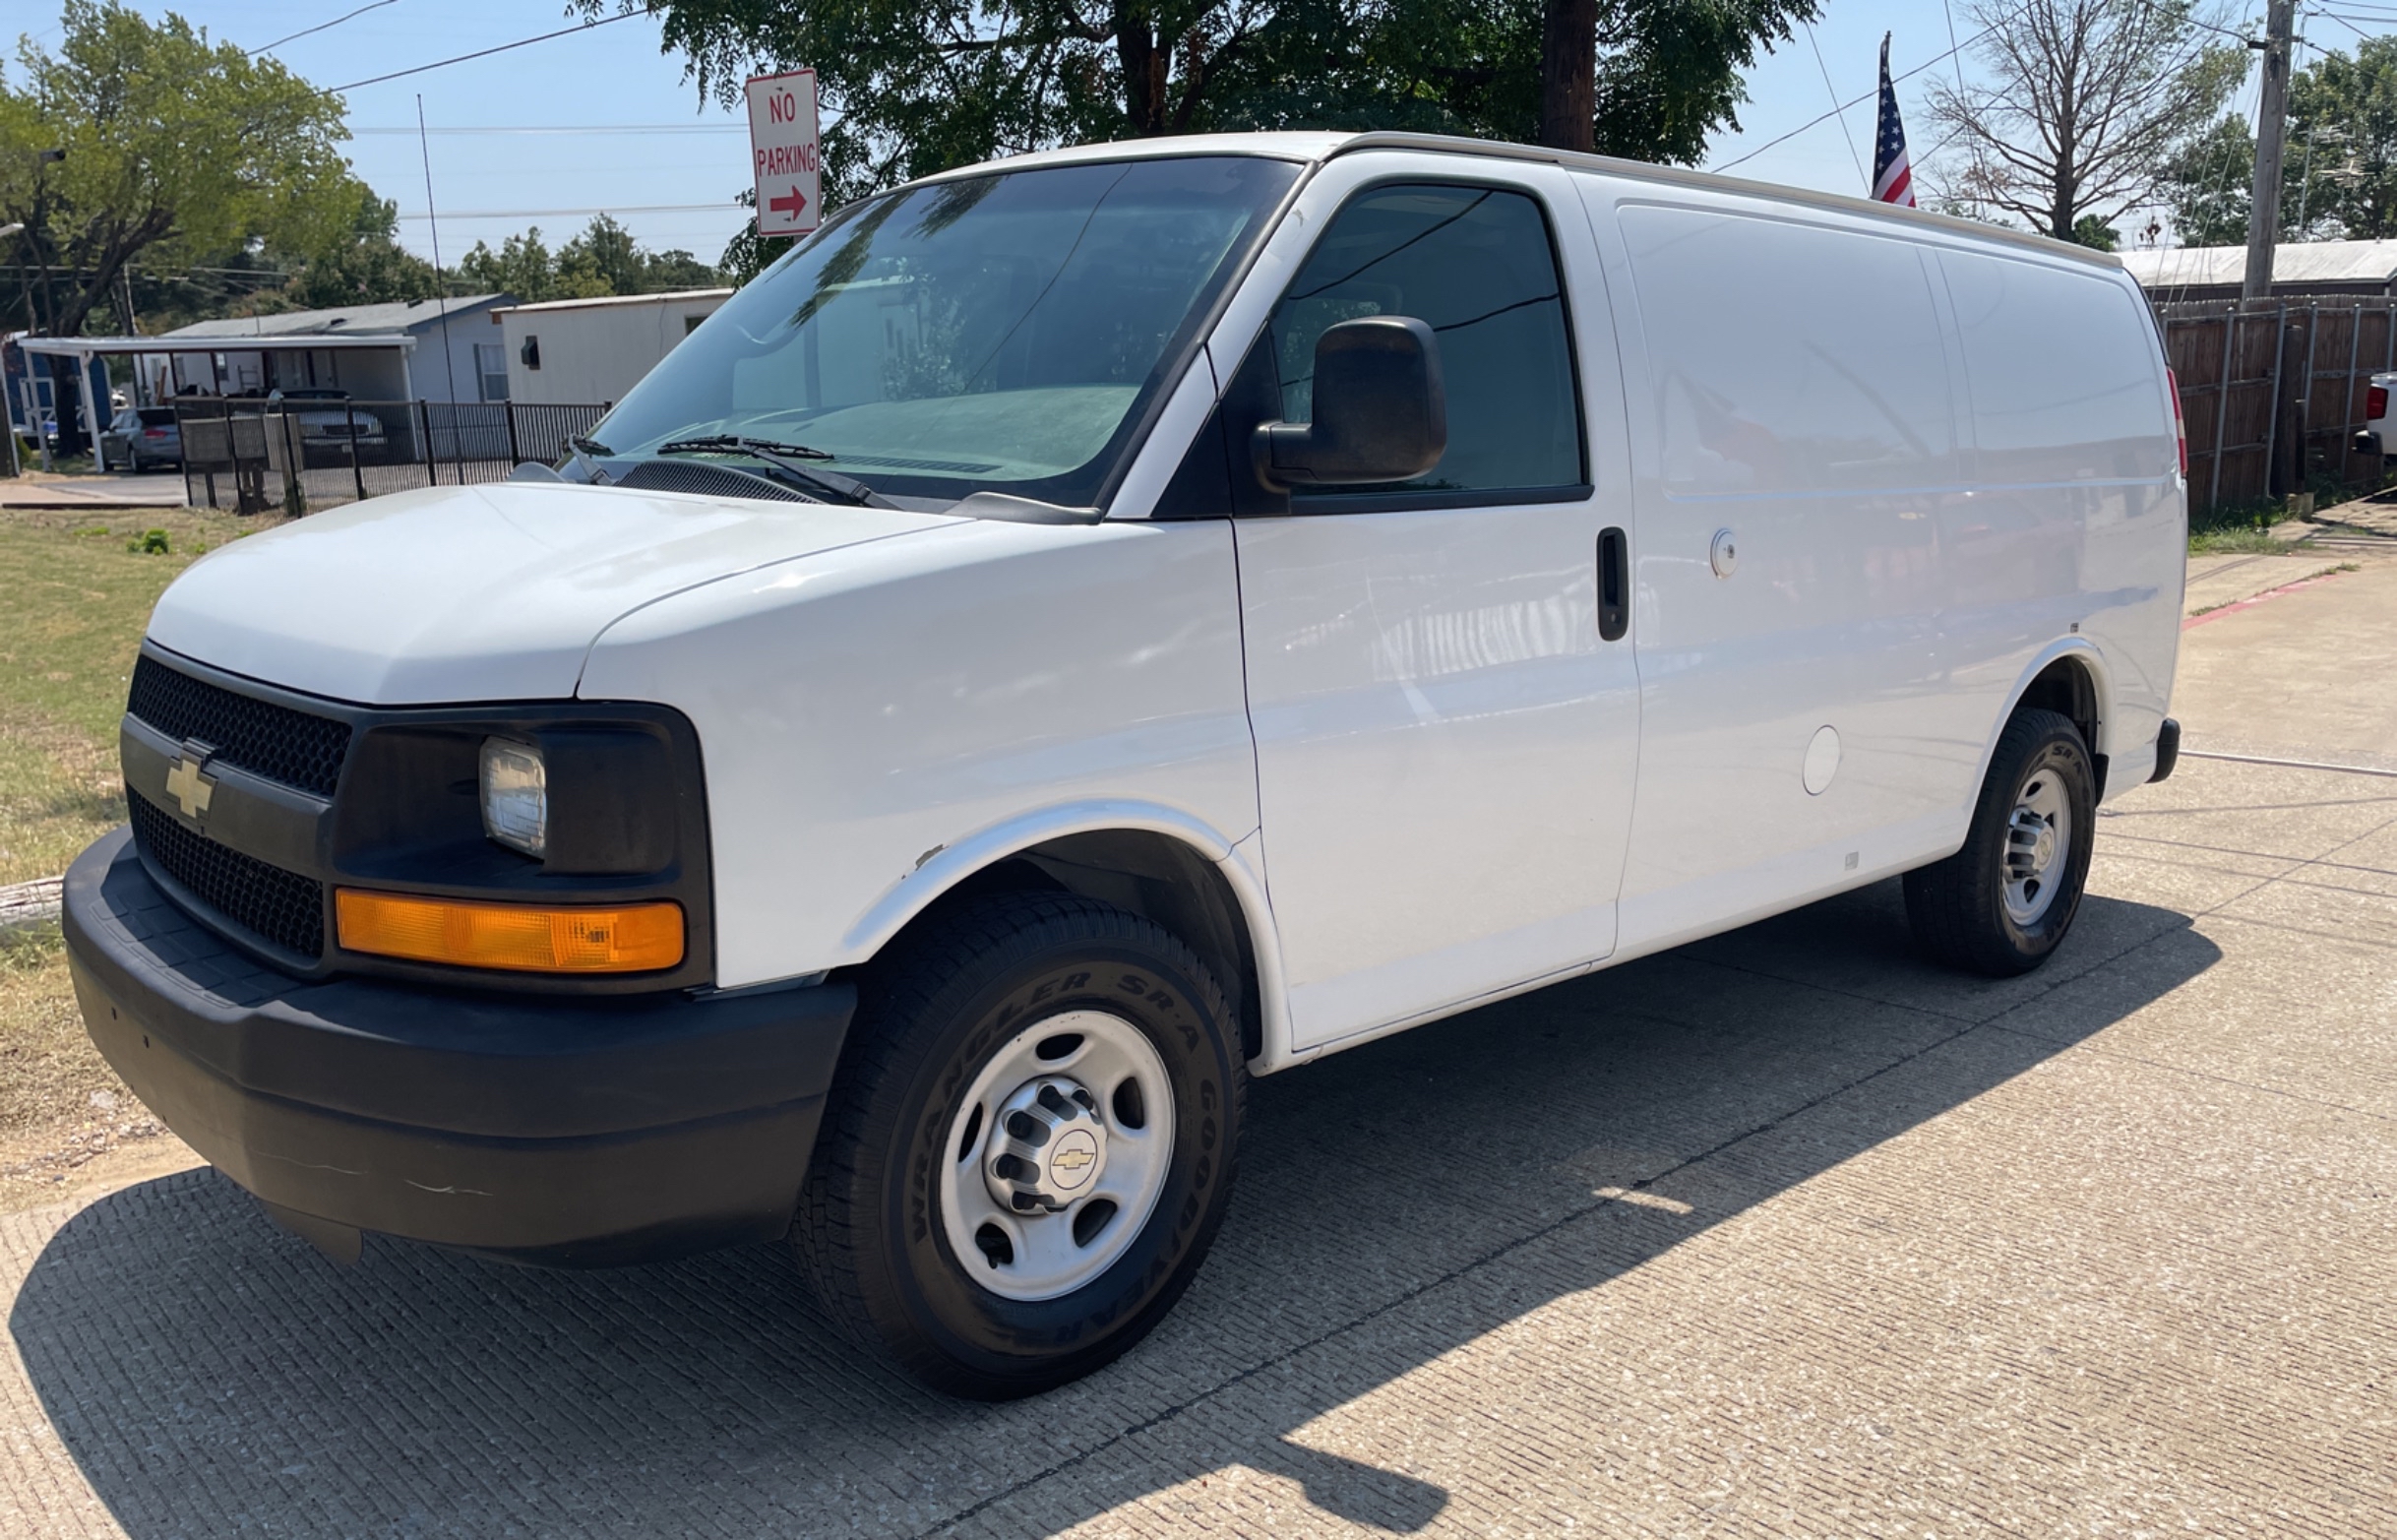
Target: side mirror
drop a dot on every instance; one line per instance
(1380, 412)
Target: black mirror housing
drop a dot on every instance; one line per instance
(1381, 409)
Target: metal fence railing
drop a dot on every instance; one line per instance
(300, 455)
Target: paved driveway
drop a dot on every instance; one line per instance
(1786, 1233)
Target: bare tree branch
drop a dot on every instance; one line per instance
(2090, 103)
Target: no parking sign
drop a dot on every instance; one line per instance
(782, 149)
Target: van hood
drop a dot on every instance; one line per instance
(476, 593)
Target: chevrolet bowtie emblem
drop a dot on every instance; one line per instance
(188, 782)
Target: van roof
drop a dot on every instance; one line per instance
(1313, 149)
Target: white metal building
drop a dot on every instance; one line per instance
(433, 350)
(2299, 269)
(590, 350)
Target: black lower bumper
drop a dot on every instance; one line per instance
(2168, 749)
(579, 1132)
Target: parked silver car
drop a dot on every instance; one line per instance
(330, 428)
(141, 438)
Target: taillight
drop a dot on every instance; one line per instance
(2375, 402)
(2181, 425)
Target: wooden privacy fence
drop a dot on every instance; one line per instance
(2273, 390)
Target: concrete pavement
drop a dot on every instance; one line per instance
(1784, 1234)
(99, 494)
(2215, 582)
(2305, 672)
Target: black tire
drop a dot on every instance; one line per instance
(1958, 907)
(932, 1014)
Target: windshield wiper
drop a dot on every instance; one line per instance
(585, 453)
(785, 458)
(737, 441)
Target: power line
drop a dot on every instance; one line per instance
(567, 213)
(305, 31)
(484, 53)
(1832, 91)
(1954, 49)
(576, 128)
(1827, 117)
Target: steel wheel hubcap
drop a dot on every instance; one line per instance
(1057, 1154)
(2038, 841)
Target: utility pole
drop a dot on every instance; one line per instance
(2271, 133)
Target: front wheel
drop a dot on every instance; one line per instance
(2001, 903)
(1029, 1145)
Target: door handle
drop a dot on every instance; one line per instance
(1614, 587)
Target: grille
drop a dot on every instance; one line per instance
(295, 748)
(285, 907)
(705, 480)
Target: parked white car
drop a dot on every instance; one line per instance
(1079, 631)
(2377, 436)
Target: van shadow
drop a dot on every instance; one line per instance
(208, 1373)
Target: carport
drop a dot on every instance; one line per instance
(194, 365)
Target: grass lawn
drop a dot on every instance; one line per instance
(2236, 542)
(76, 602)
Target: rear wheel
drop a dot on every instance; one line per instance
(1029, 1145)
(2001, 903)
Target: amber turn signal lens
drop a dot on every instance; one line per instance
(631, 938)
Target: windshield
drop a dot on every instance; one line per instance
(998, 333)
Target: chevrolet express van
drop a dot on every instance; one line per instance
(1079, 631)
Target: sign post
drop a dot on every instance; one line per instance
(782, 152)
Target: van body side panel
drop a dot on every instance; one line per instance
(2078, 517)
(859, 715)
(1926, 488)
(1793, 391)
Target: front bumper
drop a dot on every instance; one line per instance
(579, 1130)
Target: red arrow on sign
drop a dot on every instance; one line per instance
(790, 206)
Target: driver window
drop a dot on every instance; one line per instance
(1476, 264)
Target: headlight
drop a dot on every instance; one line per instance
(516, 796)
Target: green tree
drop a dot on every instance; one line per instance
(2340, 172)
(664, 271)
(176, 147)
(522, 266)
(362, 265)
(2206, 185)
(2095, 233)
(913, 87)
(603, 259)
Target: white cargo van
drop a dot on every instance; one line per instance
(1080, 631)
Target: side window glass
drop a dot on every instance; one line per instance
(1476, 264)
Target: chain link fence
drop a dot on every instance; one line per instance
(302, 456)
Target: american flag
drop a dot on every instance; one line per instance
(1892, 180)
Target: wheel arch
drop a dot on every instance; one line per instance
(2069, 677)
(1153, 861)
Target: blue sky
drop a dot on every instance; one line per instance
(544, 134)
